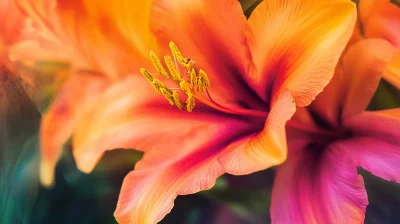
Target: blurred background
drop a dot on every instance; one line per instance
(81, 198)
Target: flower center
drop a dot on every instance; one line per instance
(192, 88)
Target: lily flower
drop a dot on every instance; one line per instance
(217, 105)
(381, 19)
(328, 140)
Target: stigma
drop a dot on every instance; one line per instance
(191, 86)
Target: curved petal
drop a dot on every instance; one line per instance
(198, 28)
(267, 148)
(376, 143)
(142, 119)
(148, 192)
(297, 43)
(59, 121)
(355, 81)
(392, 71)
(380, 19)
(93, 32)
(310, 189)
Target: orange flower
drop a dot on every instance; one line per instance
(247, 78)
(381, 19)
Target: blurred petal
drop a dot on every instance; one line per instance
(326, 189)
(198, 28)
(355, 81)
(376, 143)
(267, 148)
(296, 44)
(58, 123)
(392, 71)
(380, 19)
(92, 33)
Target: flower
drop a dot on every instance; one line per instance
(246, 83)
(381, 19)
(328, 140)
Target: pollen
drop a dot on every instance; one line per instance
(192, 86)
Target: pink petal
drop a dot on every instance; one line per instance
(267, 148)
(375, 145)
(311, 188)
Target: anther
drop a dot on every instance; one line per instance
(157, 84)
(185, 87)
(167, 94)
(147, 75)
(203, 81)
(177, 54)
(177, 100)
(193, 77)
(172, 68)
(157, 64)
(190, 103)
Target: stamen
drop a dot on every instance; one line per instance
(190, 88)
(157, 64)
(177, 100)
(190, 103)
(193, 77)
(167, 95)
(147, 75)
(172, 68)
(177, 54)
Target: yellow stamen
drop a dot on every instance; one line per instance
(157, 64)
(147, 75)
(191, 87)
(177, 100)
(193, 77)
(185, 87)
(177, 54)
(190, 103)
(172, 68)
(167, 94)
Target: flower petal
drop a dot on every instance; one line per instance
(392, 71)
(93, 32)
(198, 28)
(143, 120)
(266, 149)
(58, 123)
(376, 143)
(148, 192)
(380, 19)
(296, 44)
(355, 81)
(325, 189)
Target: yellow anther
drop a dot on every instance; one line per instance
(177, 100)
(167, 94)
(190, 103)
(146, 74)
(203, 82)
(193, 77)
(177, 54)
(185, 87)
(157, 84)
(157, 64)
(172, 68)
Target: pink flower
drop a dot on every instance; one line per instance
(328, 140)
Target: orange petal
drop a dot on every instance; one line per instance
(380, 19)
(58, 123)
(355, 81)
(392, 71)
(199, 29)
(93, 32)
(266, 149)
(296, 44)
(139, 119)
